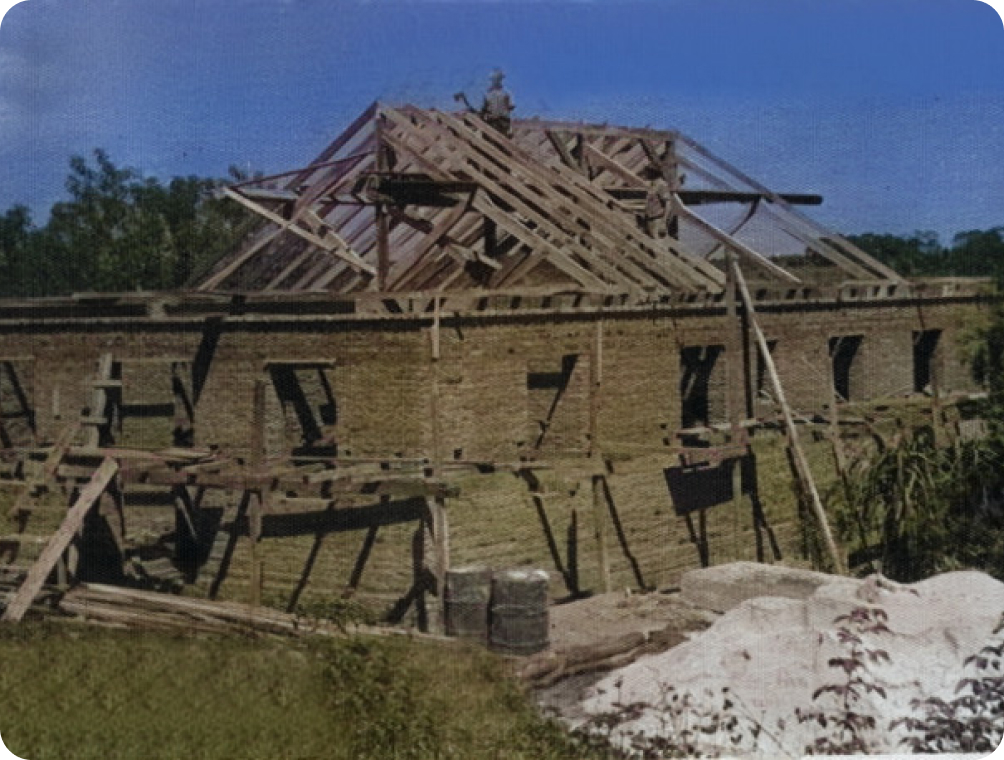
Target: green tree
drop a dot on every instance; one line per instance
(15, 232)
(978, 253)
(119, 231)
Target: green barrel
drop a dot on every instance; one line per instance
(519, 621)
(468, 591)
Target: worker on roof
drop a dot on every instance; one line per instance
(657, 208)
(497, 107)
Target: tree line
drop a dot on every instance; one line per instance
(119, 231)
(973, 253)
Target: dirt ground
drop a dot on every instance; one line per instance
(606, 617)
(591, 636)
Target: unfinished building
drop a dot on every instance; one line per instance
(447, 345)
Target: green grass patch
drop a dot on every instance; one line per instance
(76, 692)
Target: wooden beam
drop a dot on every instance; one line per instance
(803, 471)
(446, 222)
(59, 541)
(99, 402)
(340, 250)
(723, 237)
(380, 214)
(561, 148)
(598, 157)
(561, 242)
(863, 258)
(259, 501)
(614, 243)
(340, 142)
(820, 247)
(614, 234)
(533, 238)
(438, 526)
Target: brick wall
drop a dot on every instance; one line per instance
(505, 387)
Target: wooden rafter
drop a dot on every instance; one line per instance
(507, 222)
(338, 248)
(860, 256)
(730, 242)
(560, 194)
(610, 231)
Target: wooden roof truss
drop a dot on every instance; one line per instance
(415, 200)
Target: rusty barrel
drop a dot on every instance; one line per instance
(468, 591)
(519, 620)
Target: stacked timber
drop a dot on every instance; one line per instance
(120, 607)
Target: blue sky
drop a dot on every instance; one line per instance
(892, 109)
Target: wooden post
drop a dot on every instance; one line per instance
(255, 510)
(802, 469)
(380, 212)
(937, 412)
(838, 445)
(99, 403)
(600, 526)
(383, 247)
(737, 506)
(437, 454)
(735, 382)
(439, 527)
(257, 504)
(595, 384)
(595, 453)
(60, 540)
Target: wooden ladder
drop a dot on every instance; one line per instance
(60, 541)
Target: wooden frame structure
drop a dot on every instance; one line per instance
(411, 199)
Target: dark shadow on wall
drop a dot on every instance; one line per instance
(694, 490)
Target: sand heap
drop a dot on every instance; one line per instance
(773, 652)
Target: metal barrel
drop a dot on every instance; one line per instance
(519, 619)
(468, 591)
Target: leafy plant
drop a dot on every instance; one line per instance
(919, 508)
(974, 720)
(688, 726)
(849, 729)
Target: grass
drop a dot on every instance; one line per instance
(76, 692)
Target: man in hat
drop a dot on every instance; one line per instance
(497, 107)
(656, 218)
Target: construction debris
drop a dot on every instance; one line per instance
(120, 607)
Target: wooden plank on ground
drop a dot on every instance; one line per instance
(60, 540)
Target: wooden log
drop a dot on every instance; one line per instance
(730, 242)
(60, 541)
(258, 505)
(437, 525)
(600, 529)
(99, 403)
(802, 468)
(338, 248)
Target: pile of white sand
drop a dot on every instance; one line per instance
(772, 653)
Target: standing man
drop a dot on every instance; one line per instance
(657, 208)
(497, 107)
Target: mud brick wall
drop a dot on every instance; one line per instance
(504, 387)
(498, 379)
(883, 365)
